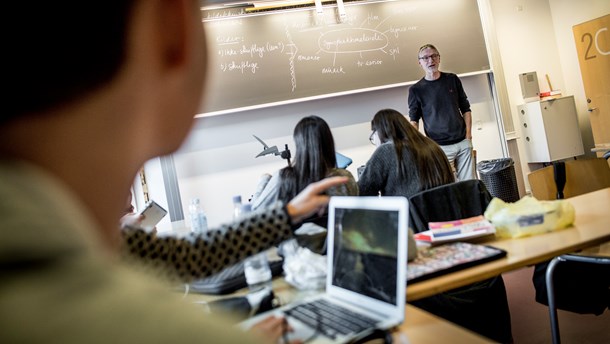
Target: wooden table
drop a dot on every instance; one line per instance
(422, 327)
(419, 327)
(591, 227)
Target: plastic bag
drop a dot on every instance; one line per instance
(528, 216)
(495, 165)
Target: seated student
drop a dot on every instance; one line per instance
(314, 160)
(405, 161)
(199, 254)
(75, 128)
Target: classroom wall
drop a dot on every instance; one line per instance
(536, 35)
(565, 15)
(217, 160)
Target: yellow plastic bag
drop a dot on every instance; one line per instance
(528, 216)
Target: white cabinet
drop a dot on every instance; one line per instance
(550, 129)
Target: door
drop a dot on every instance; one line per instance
(593, 47)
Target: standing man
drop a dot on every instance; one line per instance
(439, 99)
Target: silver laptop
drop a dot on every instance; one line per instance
(366, 276)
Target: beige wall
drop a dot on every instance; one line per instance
(536, 35)
(566, 14)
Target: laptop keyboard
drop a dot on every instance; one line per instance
(331, 319)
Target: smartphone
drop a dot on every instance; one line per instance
(153, 213)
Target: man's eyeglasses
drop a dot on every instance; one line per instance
(433, 57)
(371, 138)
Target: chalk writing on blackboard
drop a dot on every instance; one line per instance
(275, 57)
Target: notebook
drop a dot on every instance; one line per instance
(366, 275)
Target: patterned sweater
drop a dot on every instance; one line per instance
(196, 256)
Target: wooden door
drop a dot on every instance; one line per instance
(593, 47)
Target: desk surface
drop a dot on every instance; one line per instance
(419, 327)
(423, 327)
(591, 227)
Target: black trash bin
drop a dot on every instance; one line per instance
(499, 177)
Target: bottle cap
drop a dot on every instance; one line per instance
(246, 208)
(195, 200)
(237, 199)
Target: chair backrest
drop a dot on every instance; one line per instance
(581, 176)
(577, 283)
(448, 202)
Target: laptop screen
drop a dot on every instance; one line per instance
(365, 252)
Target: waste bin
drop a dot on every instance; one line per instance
(499, 177)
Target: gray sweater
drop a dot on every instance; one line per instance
(270, 193)
(380, 176)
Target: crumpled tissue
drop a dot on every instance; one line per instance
(303, 269)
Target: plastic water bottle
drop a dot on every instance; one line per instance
(245, 209)
(236, 207)
(257, 271)
(199, 222)
(256, 268)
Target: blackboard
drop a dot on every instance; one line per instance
(274, 57)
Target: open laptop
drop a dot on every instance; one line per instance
(366, 276)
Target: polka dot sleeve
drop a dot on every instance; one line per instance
(197, 256)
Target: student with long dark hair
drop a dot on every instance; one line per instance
(405, 161)
(314, 160)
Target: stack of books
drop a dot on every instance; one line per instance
(458, 230)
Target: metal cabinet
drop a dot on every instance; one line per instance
(550, 129)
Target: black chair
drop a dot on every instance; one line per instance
(483, 306)
(572, 282)
(448, 202)
(569, 293)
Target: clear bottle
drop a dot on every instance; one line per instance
(257, 271)
(237, 207)
(199, 222)
(245, 209)
(256, 268)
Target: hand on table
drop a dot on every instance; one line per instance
(273, 328)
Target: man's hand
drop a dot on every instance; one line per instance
(131, 220)
(468, 122)
(311, 200)
(273, 328)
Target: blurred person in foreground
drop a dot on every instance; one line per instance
(93, 86)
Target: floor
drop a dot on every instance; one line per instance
(530, 320)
